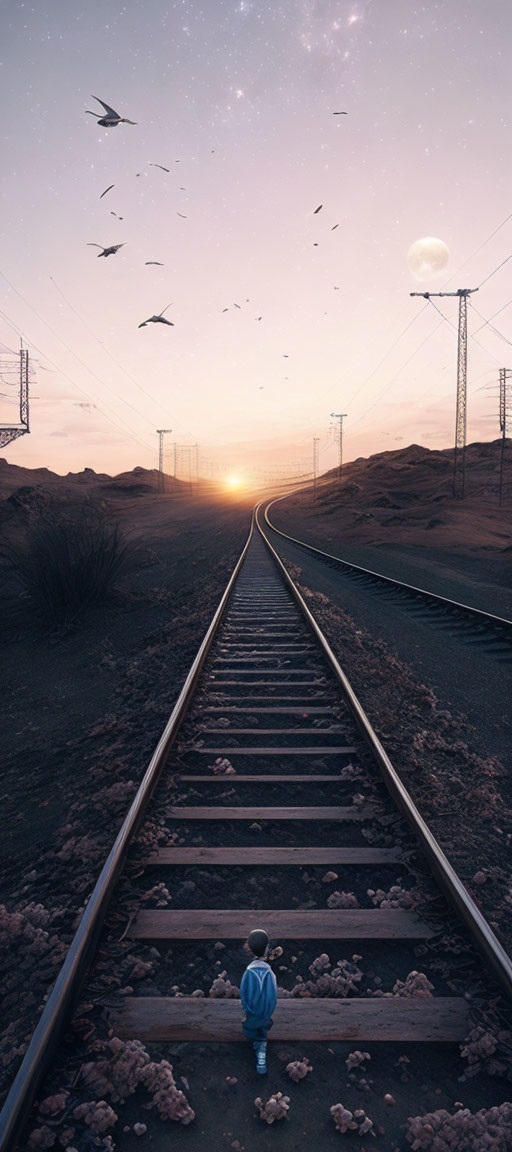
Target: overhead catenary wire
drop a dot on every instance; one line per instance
(78, 358)
(494, 315)
(470, 334)
(477, 250)
(115, 422)
(491, 274)
(390, 383)
(487, 323)
(105, 349)
(418, 314)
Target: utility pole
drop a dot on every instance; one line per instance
(315, 464)
(11, 431)
(459, 450)
(339, 416)
(505, 374)
(161, 432)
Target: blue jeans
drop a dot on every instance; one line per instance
(256, 1027)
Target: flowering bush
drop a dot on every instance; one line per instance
(298, 1069)
(276, 1108)
(489, 1129)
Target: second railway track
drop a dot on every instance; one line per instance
(483, 627)
(276, 807)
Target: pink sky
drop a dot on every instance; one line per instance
(242, 95)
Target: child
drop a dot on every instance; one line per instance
(258, 993)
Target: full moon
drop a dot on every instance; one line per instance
(428, 258)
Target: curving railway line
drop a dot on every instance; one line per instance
(267, 778)
(494, 629)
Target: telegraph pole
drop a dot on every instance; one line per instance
(505, 374)
(315, 464)
(161, 432)
(339, 416)
(459, 450)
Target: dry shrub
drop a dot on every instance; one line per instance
(69, 560)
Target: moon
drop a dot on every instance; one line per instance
(428, 258)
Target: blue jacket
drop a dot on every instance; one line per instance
(258, 990)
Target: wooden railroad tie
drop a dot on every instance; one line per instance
(282, 923)
(328, 812)
(269, 856)
(419, 1020)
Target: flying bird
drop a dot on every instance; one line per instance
(160, 319)
(107, 251)
(111, 118)
(116, 216)
(106, 190)
(334, 226)
(258, 317)
(340, 113)
(317, 209)
(182, 216)
(159, 262)
(237, 305)
(225, 309)
(285, 356)
(159, 166)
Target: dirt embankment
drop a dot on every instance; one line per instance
(396, 512)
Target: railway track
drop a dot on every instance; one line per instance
(483, 627)
(276, 807)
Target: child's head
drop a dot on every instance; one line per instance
(257, 941)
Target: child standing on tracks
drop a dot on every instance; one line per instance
(258, 993)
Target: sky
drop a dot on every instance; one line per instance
(237, 99)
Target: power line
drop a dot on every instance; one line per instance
(105, 349)
(78, 358)
(503, 262)
(418, 314)
(493, 317)
(479, 249)
(386, 354)
(471, 334)
(491, 326)
(79, 388)
(390, 383)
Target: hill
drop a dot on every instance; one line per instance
(396, 511)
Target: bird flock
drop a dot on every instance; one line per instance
(109, 118)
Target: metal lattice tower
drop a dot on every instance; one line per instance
(161, 432)
(316, 440)
(9, 432)
(340, 416)
(505, 374)
(459, 448)
(186, 462)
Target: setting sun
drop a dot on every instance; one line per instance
(233, 481)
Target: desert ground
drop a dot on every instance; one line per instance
(84, 704)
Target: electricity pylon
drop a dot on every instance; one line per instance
(459, 450)
(9, 432)
(339, 416)
(505, 374)
(315, 464)
(161, 433)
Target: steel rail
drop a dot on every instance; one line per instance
(488, 619)
(485, 940)
(60, 1001)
